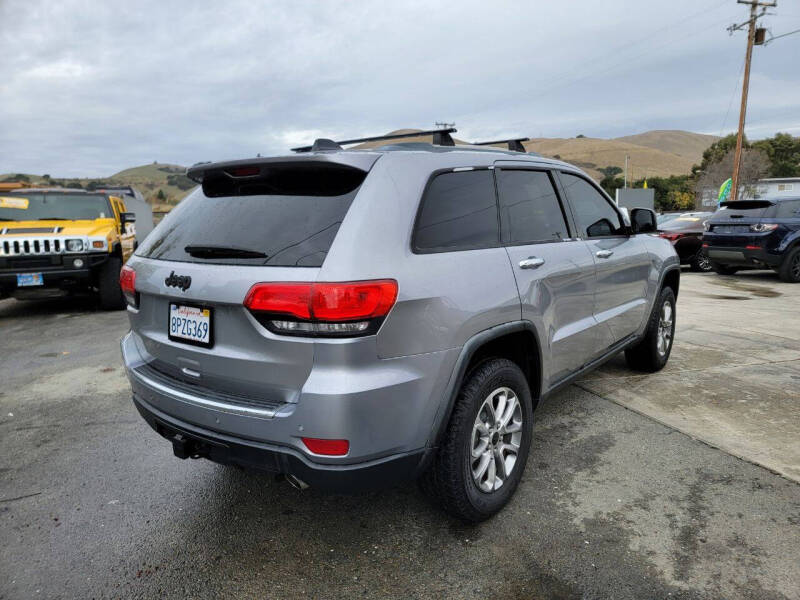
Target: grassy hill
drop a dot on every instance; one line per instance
(653, 153)
(148, 179)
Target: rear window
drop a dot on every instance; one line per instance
(458, 212)
(756, 209)
(287, 217)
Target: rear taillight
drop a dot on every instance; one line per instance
(323, 309)
(327, 447)
(763, 227)
(671, 236)
(127, 283)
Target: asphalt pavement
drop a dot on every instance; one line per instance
(612, 504)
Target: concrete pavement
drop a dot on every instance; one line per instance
(612, 503)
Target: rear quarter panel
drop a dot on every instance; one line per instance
(444, 298)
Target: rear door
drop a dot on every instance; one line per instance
(209, 251)
(622, 261)
(554, 271)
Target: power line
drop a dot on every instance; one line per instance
(755, 14)
(730, 102)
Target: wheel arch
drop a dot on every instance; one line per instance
(516, 341)
(671, 278)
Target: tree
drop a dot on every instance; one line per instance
(46, 176)
(610, 184)
(161, 196)
(73, 185)
(717, 151)
(755, 165)
(783, 152)
(580, 135)
(610, 171)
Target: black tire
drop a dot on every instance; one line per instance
(700, 262)
(789, 270)
(647, 355)
(449, 480)
(109, 292)
(723, 269)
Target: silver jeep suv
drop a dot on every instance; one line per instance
(358, 318)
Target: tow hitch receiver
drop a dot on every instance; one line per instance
(185, 448)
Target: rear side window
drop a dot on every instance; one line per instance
(789, 209)
(529, 208)
(594, 214)
(458, 212)
(288, 217)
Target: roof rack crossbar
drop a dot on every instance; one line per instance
(441, 137)
(514, 144)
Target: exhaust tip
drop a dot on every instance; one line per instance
(296, 483)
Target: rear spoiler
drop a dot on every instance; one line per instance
(254, 167)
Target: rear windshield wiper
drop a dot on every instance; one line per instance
(222, 252)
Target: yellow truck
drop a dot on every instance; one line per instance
(64, 239)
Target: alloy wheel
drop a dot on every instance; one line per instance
(496, 439)
(665, 328)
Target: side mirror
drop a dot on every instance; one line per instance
(643, 220)
(128, 217)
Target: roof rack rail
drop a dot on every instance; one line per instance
(514, 144)
(441, 137)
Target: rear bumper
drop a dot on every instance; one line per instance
(190, 441)
(743, 257)
(384, 408)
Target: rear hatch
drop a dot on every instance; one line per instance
(249, 222)
(732, 225)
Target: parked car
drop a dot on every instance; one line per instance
(357, 318)
(686, 235)
(664, 218)
(64, 239)
(756, 234)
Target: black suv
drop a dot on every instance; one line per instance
(755, 234)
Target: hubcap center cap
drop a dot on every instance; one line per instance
(495, 438)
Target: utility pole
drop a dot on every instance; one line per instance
(625, 184)
(755, 5)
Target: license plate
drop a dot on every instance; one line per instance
(29, 279)
(190, 325)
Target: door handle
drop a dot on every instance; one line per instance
(604, 253)
(532, 262)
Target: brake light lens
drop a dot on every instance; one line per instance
(331, 309)
(127, 283)
(671, 236)
(763, 227)
(327, 447)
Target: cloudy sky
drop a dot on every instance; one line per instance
(89, 88)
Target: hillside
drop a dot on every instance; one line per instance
(148, 179)
(683, 143)
(592, 154)
(653, 153)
